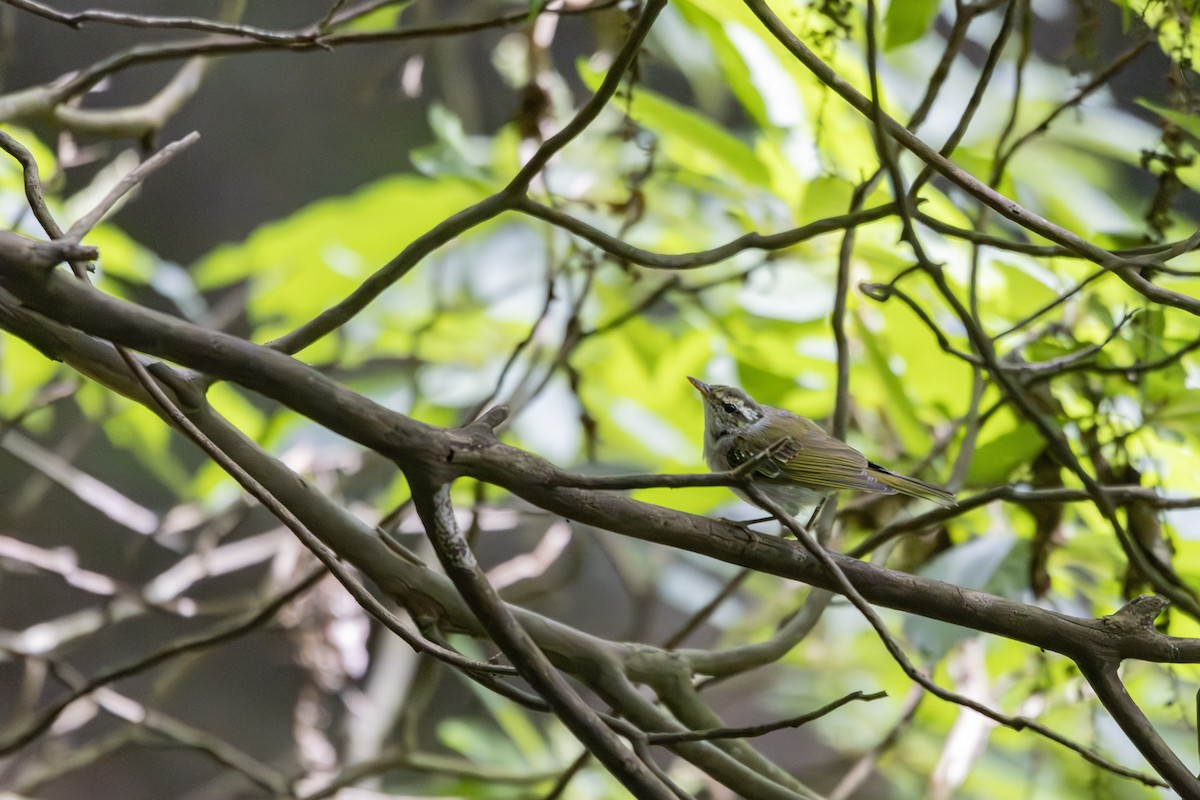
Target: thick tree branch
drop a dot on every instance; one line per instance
(1101, 673)
(456, 452)
(433, 504)
(430, 597)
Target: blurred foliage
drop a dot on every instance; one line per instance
(591, 352)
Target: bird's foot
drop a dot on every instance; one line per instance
(744, 526)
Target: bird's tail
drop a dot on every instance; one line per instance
(912, 487)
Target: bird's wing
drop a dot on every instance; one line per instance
(782, 449)
(816, 460)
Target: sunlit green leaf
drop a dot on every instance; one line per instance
(907, 20)
(23, 373)
(328, 248)
(690, 139)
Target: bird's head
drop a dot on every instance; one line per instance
(727, 409)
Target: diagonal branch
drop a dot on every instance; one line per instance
(1166, 762)
(433, 505)
(456, 225)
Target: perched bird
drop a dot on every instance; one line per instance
(807, 465)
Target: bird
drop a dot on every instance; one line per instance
(803, 464)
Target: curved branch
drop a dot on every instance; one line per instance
(684, 261)
(766, 727)
(454, 226)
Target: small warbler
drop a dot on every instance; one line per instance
(807, 464)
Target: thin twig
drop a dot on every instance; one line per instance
(763, 728)
(220, 633)
(135, 176)
(848, 589)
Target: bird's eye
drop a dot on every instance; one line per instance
(730, 408)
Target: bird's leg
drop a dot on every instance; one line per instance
(816, 513)
(744, 526)
(741, 523)
(744, 523)
(807, 526)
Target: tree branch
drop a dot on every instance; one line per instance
(433, 504)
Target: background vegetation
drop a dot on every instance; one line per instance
(253, 544)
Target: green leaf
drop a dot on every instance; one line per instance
(689, 139)
(906, 21)
(121, 257)
(826, 197)
(998, 457)
(381, 19)
(299, 266)
(896, 402)
(734, 72)
(23, 373)
(136, 430)
(11, 174)
(342, 233)
(232, 404)
(1027, 285)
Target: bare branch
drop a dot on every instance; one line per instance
(89, 220)
(433, 504)
(1180, 781)
(14, 739)
(687, 261)
(766, 727)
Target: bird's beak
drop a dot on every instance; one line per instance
(701, 386)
